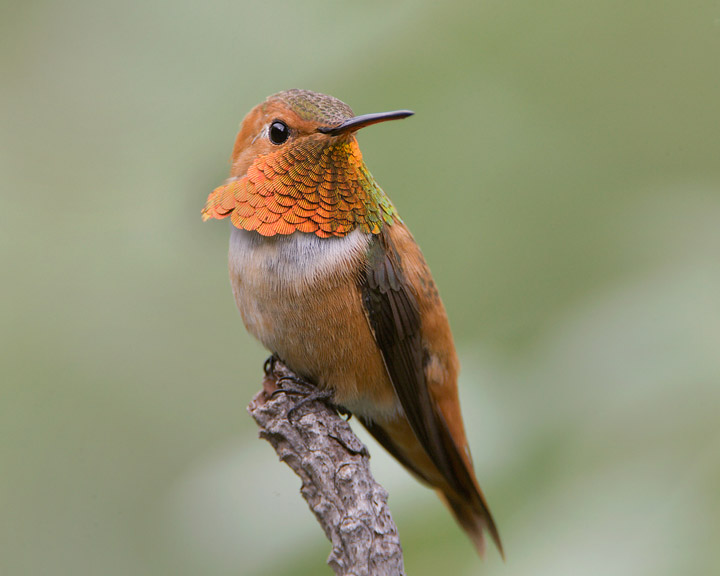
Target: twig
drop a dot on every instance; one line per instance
(333, 465)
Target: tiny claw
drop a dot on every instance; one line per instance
(269, 365)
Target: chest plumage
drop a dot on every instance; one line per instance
(298, 295)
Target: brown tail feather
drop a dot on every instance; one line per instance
(464, 497)
(474, 521)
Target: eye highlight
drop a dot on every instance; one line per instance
(278, 132)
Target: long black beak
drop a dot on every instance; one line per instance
(365, 120)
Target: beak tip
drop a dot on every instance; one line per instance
(353, 124)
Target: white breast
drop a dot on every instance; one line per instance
(280, 282)
(295, 262)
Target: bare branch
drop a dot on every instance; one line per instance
(333, 465)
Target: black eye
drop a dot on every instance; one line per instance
(279, 132)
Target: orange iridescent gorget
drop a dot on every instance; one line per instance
(314, 186)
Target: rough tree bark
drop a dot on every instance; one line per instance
(333, 465)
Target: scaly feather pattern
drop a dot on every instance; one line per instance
(316, 186)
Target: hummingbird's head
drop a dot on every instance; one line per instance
(295, 118)
(296, 166)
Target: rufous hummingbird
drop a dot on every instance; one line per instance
(327, 276)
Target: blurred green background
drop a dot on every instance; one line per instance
(562, 174)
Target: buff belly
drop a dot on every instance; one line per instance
(298, 295)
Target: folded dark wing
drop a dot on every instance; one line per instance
(394, 316)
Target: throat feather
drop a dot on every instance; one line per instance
(316, 186)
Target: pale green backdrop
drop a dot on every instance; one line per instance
(562, 174)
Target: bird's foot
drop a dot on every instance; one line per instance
(309, 392)
(297, 386)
